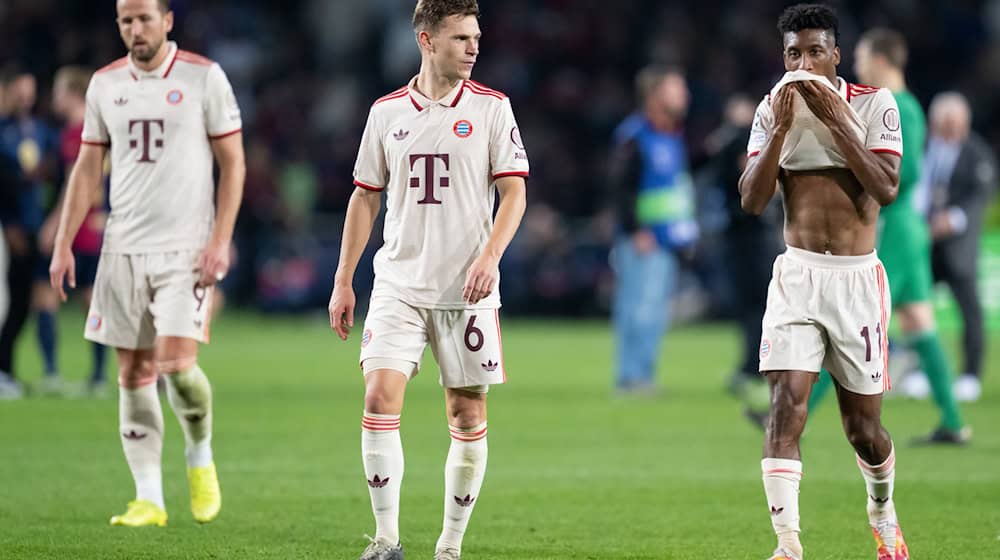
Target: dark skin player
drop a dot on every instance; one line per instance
(826, 211)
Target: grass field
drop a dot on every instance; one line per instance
(574, 473)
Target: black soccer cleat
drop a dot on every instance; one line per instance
(944, 436)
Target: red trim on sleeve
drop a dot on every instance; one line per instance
(368, 187)
(394, 95)
(95, 143)
(224, 134)
(511, 174)
(885, 151)
(193, 58)
(753, 153)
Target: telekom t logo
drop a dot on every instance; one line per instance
(146, 133)
(429, 160)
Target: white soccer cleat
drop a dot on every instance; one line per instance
(967, 389)
(783, 553)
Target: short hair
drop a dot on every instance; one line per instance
(651, 76)
(949, 101)
(889, 43)
(11, 72)
(429, 14)
(164, 5)
(809, 16)
(76, 78)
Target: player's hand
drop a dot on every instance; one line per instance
(823, 103)
(342, 309)
(481, 279)
(213, 263)
(783, 108)
(62, 270)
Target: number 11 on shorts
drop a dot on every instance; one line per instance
(868, 342)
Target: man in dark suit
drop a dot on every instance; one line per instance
(960, 173)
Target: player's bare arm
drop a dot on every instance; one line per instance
(84, 180)
(878, 173)
(214, 260)
(760, 177)
(481, 278)
(362, 210)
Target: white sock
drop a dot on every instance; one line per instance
(140, 422)
(190, 395)
(382, 454)
(463, 477)
(879, 480)
(781, 485)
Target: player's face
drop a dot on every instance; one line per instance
(454, 47)
(812, 50)
(143, 27)
(863, 62)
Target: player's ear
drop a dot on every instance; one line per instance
(424, 40)
(168, 21)
(836, 56)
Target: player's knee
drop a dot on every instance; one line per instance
(137, 373)
(379, 400)
(466, 409)
(862, 433)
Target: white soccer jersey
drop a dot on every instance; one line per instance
(877, 124)
(437, 162)
(159, 125)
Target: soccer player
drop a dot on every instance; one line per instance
(834, 148)
(163, 113)
(440, 147)
(904, 239)
(69, 91)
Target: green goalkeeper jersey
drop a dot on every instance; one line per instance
(904, 239)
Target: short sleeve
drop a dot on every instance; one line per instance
(884, 135)
(222, 112)
(507, 155)
(95, 131)
(760, 129)
(370, 169)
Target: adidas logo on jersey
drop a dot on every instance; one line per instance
(490, 365)
(121, 101)
(466, 501)
(378, 483)
(401, 134)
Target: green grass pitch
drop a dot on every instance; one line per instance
(573, 472)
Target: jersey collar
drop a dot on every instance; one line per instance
(420, 102)
(162, 71)
(842, 88)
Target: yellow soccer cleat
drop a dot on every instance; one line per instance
(206, 499)
(141, 513)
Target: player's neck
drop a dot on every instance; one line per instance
(433, 86)
(154, 62)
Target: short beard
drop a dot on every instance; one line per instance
(152, 50)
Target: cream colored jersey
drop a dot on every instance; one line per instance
(809, 144)
(437, 162)
(159, 125)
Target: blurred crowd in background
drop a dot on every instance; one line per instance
(306, 71)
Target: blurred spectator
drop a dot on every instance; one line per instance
(960, 174)
(29, 143)
(751, 242)
(652, 189)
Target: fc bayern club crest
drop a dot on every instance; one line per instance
(366, 337)
(463, 128)
(175, 96)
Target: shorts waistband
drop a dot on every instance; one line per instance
(841, 262)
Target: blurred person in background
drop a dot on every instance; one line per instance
(960, 176)
(29, 143)
(8, 208)
(652, 190)
(751, 241)
(68, 103)
(904, 243)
